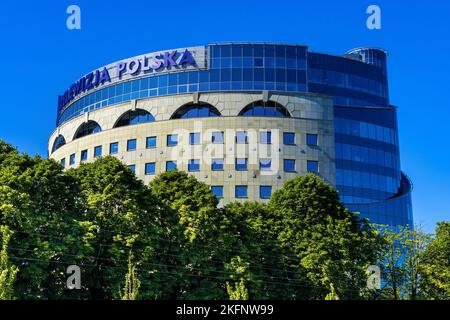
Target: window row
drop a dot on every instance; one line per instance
(366, 130)
(258, 50)
(241, 164)
(217, 137)
(240, 79)
(258, 62)
(358, 179)
(367, 155)
(241, 191)
(346, 80)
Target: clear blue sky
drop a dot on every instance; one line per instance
(40, 57)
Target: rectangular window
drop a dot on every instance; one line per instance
(289, 138)
(217, 165)
(265, 137)
(63, 162)
(194, 138)
(241, 164)
(265, 192)
(241, 192)
(72, 159)
(241, 137)
(97, 151)
(265, 164)
(171, 165)
(172, 140)
(289, 165)
(151, 142)
(313, 166)
(311, 139)
(150, 168)
(84, 155)
(194, 165)
(114, 148)
(131, 145)
(217, 137)
(218, 191)
(132, 167)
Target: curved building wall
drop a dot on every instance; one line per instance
(310, 114)
(341, 101)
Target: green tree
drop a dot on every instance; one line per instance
(239, 269)
(435, 272)
(401, 261)
(8, 271)
(333, 247)
(247, 232)
(132, 283)
(199, 252)
(215, 237)
(123, 214)
(38, 203)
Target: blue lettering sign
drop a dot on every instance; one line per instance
(165, 61)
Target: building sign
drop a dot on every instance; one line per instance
(139, 66)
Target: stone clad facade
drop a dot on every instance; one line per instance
(311, 113)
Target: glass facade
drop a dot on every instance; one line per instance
(232, 67)
(134, 117)
(265, 109)
(368, 173)
(196, 111)
(86, 129)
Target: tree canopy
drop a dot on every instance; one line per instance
(172, 239)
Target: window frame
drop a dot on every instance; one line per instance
(147, 139)
(131, 141)
(295, 165)
(116, 144)
(243, 187)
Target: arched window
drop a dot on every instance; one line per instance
(59, 142)
(134, 117)
(86, 129)
(265, 109)
(200, 110)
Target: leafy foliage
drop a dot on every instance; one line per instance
(303, 244)
(435, 273)
(331, 246)
(132, 283)
(8, 271)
